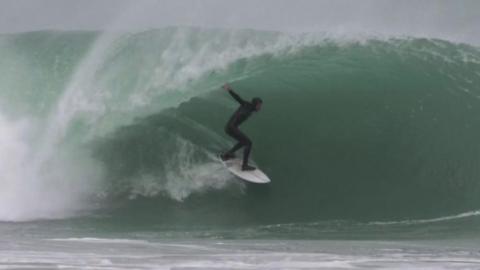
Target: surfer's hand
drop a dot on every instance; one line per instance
(227, 87)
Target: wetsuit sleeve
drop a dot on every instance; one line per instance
(237, 97)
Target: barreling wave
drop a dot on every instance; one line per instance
(370, 129)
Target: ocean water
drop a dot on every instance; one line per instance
(109, 140)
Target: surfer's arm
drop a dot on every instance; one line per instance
(234, 95)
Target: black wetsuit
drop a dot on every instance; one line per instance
(241, 114)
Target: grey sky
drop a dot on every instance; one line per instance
(450, 19)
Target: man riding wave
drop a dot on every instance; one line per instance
(241, 114)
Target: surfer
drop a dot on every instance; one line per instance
(241, 114)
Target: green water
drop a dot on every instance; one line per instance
(120, 132)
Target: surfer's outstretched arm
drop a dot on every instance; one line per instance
(233, 94)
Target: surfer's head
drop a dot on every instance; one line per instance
(257, 102)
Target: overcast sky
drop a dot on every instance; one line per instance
(450, 19)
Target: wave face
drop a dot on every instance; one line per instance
(130, 124)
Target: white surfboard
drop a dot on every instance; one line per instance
(256, 176)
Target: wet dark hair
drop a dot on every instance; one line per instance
(256, 100)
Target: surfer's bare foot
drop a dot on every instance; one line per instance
(227, 156)
(247, 167)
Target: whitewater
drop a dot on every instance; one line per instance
(109, 140)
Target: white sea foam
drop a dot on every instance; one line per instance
(101, 240)
(26, 193)
(183, 175)
(76, 253)
(430, 220)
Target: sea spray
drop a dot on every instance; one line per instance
(62, 188)
(164, 67)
